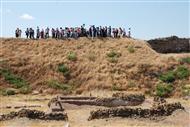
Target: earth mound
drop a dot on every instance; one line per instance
(76, 66)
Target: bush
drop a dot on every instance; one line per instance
(13, 79)
(168, 77)
(186, 90)
(64, 69)
(185, 60)
(182, 72)
(57, 85)
(113, 56)
(116, 88)
(25, 90)
(131, 49)
(163, 90)
(72, 56)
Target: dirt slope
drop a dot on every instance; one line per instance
(37, 61)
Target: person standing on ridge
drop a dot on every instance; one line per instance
(129, 33)
(37, 33)
(47, 32)
(17, 33)
(27, 33)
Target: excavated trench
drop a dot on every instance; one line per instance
(129, 100)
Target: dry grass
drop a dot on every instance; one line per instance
(36, 61)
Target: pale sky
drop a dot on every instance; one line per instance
(147, 19)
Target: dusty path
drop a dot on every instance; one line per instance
(78, 115)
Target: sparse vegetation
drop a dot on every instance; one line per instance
(116, 88)
(131, 49)
(168, 77)
(182, 72)
(72, 56)
(25, 89)
(64, 69)
(59, 86)
(186, 90)
(185, 60)
(13, 79)
(163, 89)
(113, 56)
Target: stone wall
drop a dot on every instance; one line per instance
(34, 114)
(171, 44)
(160, 110)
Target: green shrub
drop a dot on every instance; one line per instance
(113, 54)
(163, 90)
(57, 85)
(182, 72)
(185, 60)
(72, 56)
(25, 90)
(116, 88)
(186, 90)
(168, 77)
(131, 49)
(64, 69)
(13, 79)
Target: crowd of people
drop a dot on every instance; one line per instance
(75, 32)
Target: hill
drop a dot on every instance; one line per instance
(76, 66)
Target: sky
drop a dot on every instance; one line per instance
(148, 19)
